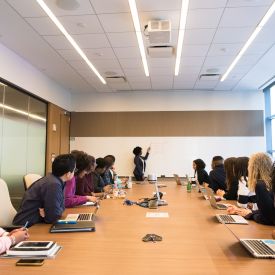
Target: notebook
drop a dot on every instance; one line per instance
(32, 248)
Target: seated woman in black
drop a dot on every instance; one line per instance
(231, 180)
(217, 174)
(200, 173)
(259, 180)
(140, 163)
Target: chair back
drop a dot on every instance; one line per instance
(29, 179)
(7, 211)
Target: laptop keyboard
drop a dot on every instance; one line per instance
(84, 217)
(227, 218)
(260, 247)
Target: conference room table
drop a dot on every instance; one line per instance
(194, 242)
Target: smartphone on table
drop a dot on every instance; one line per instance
(30, 262)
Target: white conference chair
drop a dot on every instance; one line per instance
(29, 179)
(7, 211)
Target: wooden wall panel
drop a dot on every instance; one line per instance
(179, 123)
(58, 129)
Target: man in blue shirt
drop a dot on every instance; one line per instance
(44, 200)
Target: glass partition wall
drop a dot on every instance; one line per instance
(23, 121)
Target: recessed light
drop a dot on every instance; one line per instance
(67, 4)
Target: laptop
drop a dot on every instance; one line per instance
(234, 219)
(83, 222)
(202, 190)
(177, 179)
(160, 202)
(212, 200)
(258, 248)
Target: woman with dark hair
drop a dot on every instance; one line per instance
(200, 173)
(140, 163)
(83, 165)
(230, 180)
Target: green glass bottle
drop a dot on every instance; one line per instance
(189, 186)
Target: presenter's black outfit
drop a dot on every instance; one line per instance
(140, 163)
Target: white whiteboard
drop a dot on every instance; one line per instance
(168, 155)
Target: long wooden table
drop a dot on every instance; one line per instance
(193, 241)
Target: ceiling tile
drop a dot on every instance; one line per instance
(173, 16)
(100, 53)
(186, 77)
(106, 63)
(69, 54)
(166, 82)
(248, 3)
(213, 61)
(143, 78)
(120, 87)
(204, 85)
(117, 22)
(161, 62)
(183, 85)
(133, 72)
(258, 48)
(266, 35)
(224, 49)
(125, 39)
(199, 36)
(130, 63)
(192, 61)
(159, 71)
(127, 52)
(194, 50)
(58, 42)
(140, 85)
(190, 69)
(27, 8)
(232, 35)
(203, 18)
(79, 65)
(243, 17)
(107, 6)
(158, 5)
(81, 24)
(44, 26)
(92, 40)
(209, 4)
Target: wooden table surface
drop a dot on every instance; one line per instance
(193, 241)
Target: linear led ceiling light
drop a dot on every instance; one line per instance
(183, 17)
(250, 40)
(70, 39)
(134, 12)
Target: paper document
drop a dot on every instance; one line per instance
(157, 215)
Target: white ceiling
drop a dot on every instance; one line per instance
(215, 32)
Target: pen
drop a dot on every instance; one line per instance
(26, 224)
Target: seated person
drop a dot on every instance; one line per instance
(231, 181)
(83, 164)
(44, 200)
(259, 170)
(108, 175)
(85, 186)
(8, 239)
(99, 184)
(200, 173)
(246, 198)
(217, 174)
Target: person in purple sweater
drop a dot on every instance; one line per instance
(83, 165)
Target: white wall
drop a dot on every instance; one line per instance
(168, 101)
(169, 154)
(16, 70)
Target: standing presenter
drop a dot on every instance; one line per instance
(140, 163)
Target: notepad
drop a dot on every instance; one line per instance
(157, 215)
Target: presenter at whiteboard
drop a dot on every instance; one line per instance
(140, 163)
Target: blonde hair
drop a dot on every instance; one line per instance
(259, 168)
